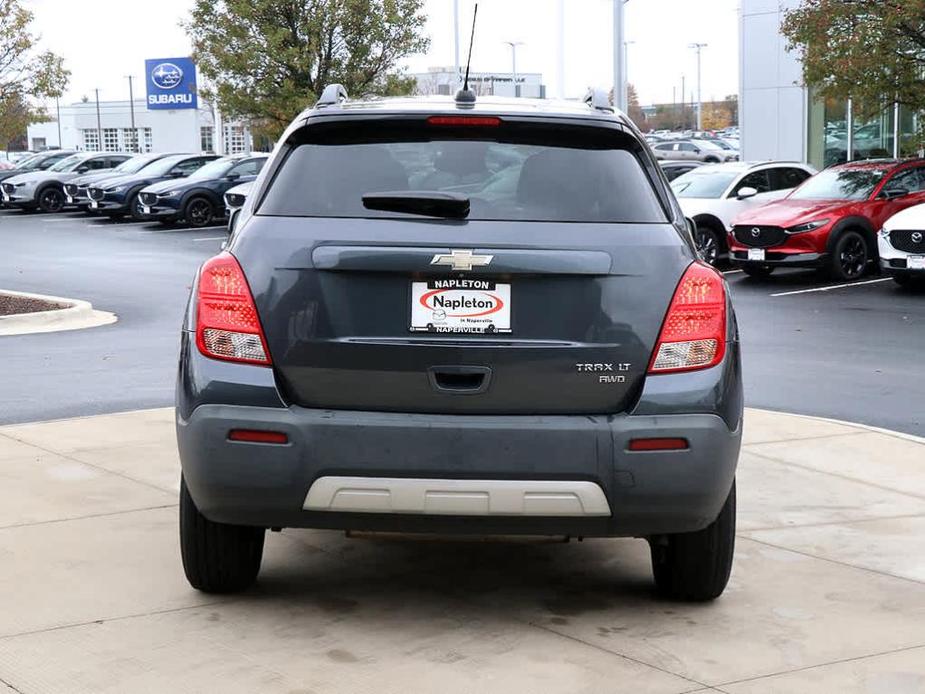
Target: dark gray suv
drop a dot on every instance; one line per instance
(443, 316)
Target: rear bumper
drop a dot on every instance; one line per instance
(419, 459)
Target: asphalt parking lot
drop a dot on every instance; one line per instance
(809, 346)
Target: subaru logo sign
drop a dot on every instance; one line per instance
(917, 237)
(171, 83)
(166, 76)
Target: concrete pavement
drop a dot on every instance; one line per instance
(827, 594)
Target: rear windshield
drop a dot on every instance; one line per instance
(509, 173)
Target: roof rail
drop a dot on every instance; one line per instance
(599, 100)
(332, 95)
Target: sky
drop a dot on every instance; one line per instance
(103, 41)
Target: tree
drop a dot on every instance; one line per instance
(872, 51)
(633, 109)
(267, 60)
(26, 75)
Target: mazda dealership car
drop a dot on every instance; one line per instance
(902, 247)
(44, 190)
(117, 197)
(690, 151)
(234, 201)
(716, 194)
(197, 199)
(831, 221)
(75, 190)
(455, 316)
(674, 168)
(37, 162)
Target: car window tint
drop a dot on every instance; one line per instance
(912, 180)
(756, 179)
(97, 164)
(687, 147)
(535, 178)
(189, 166)
(785, 177)
(251, 167)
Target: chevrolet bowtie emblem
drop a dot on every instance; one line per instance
(461, 260)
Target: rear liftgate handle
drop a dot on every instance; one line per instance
(459, 380)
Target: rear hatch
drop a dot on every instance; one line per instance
(547, 297)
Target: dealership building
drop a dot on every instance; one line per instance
(783, 119)
(171, 118)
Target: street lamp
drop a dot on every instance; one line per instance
(131, 105)
(625, 97)
(619, 56)
(699, 47)
(514, 45)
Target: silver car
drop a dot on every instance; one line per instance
(693, 151)
(44, 190)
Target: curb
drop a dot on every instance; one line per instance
(78, 315)
(856, 425)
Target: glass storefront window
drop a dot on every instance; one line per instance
(873, 134)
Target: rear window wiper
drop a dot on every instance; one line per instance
(430, 203)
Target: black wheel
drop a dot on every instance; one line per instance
(696, 566)
(135, 208)
(199, 212)
(217, 558)
(849, 257)
(51, 200)
(708, 244)
(757, 270)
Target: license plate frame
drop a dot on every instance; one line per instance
(94, 205)
(756, 254)
(460, 306)
(70, 200)
(915, 262)
(146, 209)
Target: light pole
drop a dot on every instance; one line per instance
(626, 73)
(131, 105)
(58, 109)
(514, 45)
(699, 47)
(619, 61)
(99, 123)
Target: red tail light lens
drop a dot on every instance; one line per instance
(465, 121)
(694, 332)
(227, 326)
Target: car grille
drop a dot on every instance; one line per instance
(9, 188)
(148, 199)
(759, 236)
(908, 240)
(95, 193)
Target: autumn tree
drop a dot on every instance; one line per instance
(872, 51)
(633, 109)
(26, 74)
(266, 60)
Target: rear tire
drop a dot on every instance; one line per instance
(759, 271)
(709, 244)
(850, 257)
(217, 557)
(695, 567)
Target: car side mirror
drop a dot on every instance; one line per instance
(893, 193)
(746, 193)
(697, 150)
(233, 177)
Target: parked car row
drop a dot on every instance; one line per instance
(845, 221)
(167, 187)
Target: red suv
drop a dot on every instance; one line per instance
(830, 222)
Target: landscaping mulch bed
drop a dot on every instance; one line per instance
(10, 305)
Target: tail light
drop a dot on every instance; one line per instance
(694, 332)
(227, 326)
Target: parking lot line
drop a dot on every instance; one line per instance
(834, 286)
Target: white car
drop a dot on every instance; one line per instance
(901, 243)
(44, 189)
(713, 196)
(234, 201)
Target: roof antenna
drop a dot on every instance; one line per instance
(466, 95)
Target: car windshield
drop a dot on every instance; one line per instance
(508, 172)
(214, 169)
(162, 166)
(702, 184)
(30, 162)
(707, 144)
(134, 165)
(68, 163)
(842, 184)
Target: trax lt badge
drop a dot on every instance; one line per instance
(461, 260)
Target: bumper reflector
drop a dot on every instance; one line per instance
(257, 436)
(665, 444)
